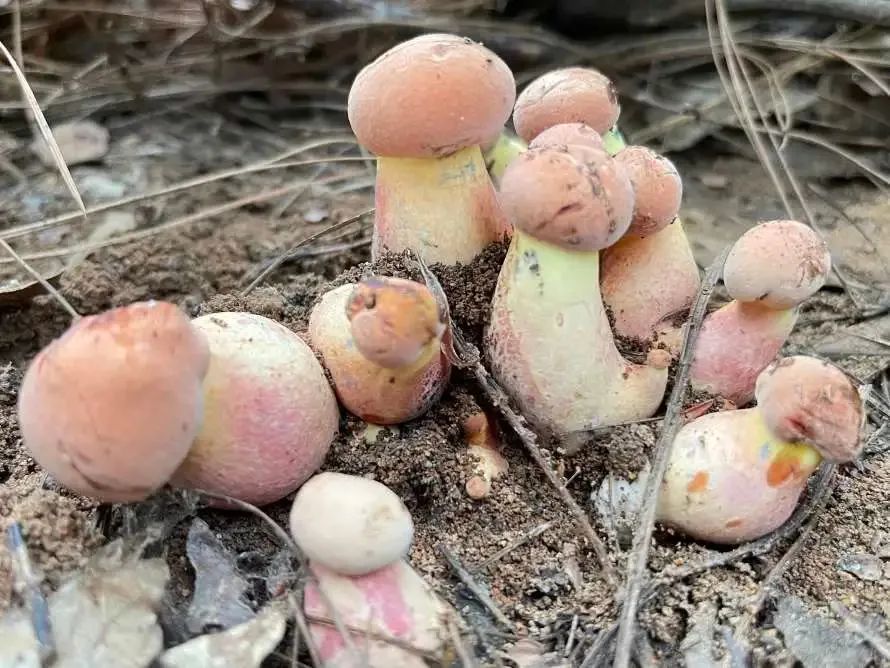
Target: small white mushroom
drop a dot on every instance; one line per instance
(349, 524)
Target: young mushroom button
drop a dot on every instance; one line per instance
(425, 107)
(112, 406)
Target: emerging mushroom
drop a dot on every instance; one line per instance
(425, 107)
(737, 475)
(650, 278)
(270, 415)
(112, 406)
(349, 524)
(381, 340)
(549, 340)
(484, 445)
(570, 95)
(769, 272)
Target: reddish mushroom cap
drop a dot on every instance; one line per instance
(112, 406)
(431, 96)
(567, 134)
(806, 399)
(571, 95)
(393, 320)
(778, 264)
(579, 199)
(658, 189)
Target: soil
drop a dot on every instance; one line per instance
(545, 585)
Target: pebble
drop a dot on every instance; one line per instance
(349, 524)
(79, 142)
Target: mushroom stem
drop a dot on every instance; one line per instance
(551, 345)
(506, 148)
(444, 209)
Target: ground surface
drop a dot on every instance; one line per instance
(542, 585)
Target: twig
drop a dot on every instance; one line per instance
(303, 629)
(65, 304)
(281, 259)
(477, 591)
(459, 647)
(673, 420)
(29, 588)
(522, 540)
(872, 637)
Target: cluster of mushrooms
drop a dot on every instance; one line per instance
(238, 405)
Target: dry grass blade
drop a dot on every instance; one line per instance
(65, 304)
(673, 420)
(478, 592)
(45, 132)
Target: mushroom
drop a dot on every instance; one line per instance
(484, 446)
(769, 272)
(425, 107)
(737, 475)
(393, 603)
(381, 340)
(500, 153)
(112, 406)
(650, 278)
(349, 524)
(549, 340)
(270, 415)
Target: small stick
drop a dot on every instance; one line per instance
(459, 647)
(281, 259)
(477, 591)
(64, 303)
(29, 587)
(522, 540)
(303, 628)
(872, 637)
(465, 355)
(571, 641)
(673, 420)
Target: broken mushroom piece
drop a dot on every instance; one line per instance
(381, 340)
(650, 278)
(484, 447)
(424, 108)
(111, 407)
(737, 475)
(270, 415)
(549, 340)
(769, 272)
(570, 95)
(349, 524)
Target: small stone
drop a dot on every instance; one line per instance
(863, 566)
(715, 181)
(79, 142)
(349, 524)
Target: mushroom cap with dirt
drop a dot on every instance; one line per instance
(569, 95)
(111, 407)
(425, 107)
(381, 341)
(270, 415)
(736, 475)
(549, 340)
(769, 272)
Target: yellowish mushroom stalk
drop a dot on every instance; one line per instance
(506, 148)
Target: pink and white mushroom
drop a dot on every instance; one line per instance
(356, 533)
(111, 407)
(381, 341)
(424, 108)
(769, 272)
(736, 475)
(270, 415)
(485, 448)
(549, 339)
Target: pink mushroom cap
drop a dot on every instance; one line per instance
(778, 264)
(579, 199)
(571, 95)
(804, 399)
(430, 97)
(567, 134)
(112, 406)
(658, 189)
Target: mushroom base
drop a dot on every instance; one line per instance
(444, 209)
(551, 346)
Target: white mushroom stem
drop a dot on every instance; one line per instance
(444, 209)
